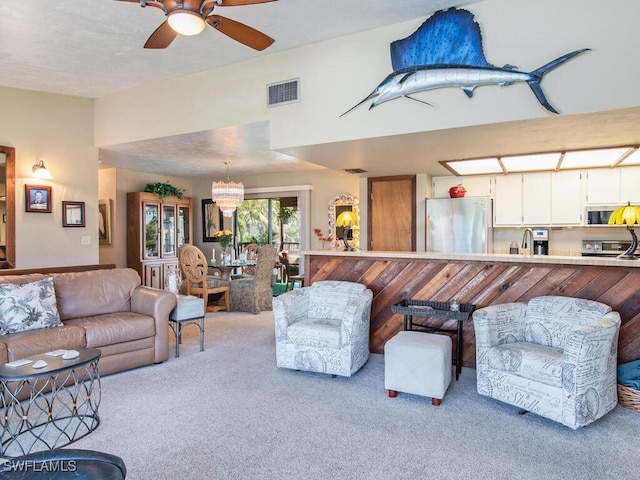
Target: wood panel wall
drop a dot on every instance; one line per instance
(481, 283)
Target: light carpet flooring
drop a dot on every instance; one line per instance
(230, 413)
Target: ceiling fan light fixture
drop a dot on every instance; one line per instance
(186, 22)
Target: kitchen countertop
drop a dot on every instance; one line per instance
(485, 257)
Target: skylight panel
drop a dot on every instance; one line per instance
(531, 163)
(592, 158)
(475, 167)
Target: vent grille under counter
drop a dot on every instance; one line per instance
(605, 248)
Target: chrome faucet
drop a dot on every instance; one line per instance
(524, 240)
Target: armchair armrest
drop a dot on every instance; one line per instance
(592, 347)
(357, 310)
(157, 304)
(356, 318)
(289, 308)
(498, 324)
(589, 373)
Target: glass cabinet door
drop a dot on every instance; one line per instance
(151, 233)
(169, 231)
(184, 228)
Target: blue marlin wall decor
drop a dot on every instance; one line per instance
(446, 51)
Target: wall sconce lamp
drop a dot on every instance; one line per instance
(40, 171)
(346, 220)
(628, 215)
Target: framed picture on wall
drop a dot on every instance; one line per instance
(37, 198)
(73, 214)
(211, 220)
(104, 222)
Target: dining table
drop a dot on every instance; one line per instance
(226, 270)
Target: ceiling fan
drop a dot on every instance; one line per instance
(188, 17)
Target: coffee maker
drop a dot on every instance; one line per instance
(540, 241)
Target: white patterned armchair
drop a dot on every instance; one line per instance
(323, 328)
(553, 356)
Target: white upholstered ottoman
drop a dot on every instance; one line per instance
(418, 363)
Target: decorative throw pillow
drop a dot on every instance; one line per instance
(28, 306)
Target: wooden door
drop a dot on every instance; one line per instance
(391, 218)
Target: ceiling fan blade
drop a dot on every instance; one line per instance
(233, 3)
(240, 32)
(162, 37)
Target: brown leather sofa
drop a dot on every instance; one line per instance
(107, 309)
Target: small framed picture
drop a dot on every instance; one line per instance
(37, 198)
(73, 214)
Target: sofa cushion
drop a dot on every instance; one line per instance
(96, 292)
(549, 319)
(28, 306)
(113, 328)
(329, 299)
(24, 344)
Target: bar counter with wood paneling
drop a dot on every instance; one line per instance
(481, 279)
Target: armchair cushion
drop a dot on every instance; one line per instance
(538, 362)
(330, 299)
(549, 319)
(316, 332)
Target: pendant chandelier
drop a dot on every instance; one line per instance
(227, 195)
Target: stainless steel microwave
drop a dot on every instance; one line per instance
(599, 215)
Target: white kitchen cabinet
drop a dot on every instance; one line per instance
(536, 199)
(507, 203)
(613, 186)
(603, 186)
(630, 185)
(567, 198)
(475, 186)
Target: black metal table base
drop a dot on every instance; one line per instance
(177, 330)
(47, 411)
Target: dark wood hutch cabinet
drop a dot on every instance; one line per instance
(156, 229)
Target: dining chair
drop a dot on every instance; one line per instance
(195, 268)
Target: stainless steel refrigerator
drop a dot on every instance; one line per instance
(459, 225)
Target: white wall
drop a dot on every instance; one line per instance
(335, 75)
(58, 130)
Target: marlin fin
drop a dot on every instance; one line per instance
(468, 91)
(417, 100)
(538, 73)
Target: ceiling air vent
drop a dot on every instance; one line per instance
(283, 93)
(355, 170)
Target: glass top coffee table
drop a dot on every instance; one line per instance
(49, 407)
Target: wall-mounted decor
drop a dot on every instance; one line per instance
(73, 214)
(340, 204)
(37, 198)
(211, 220)
(446, 51)
(104, 221)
